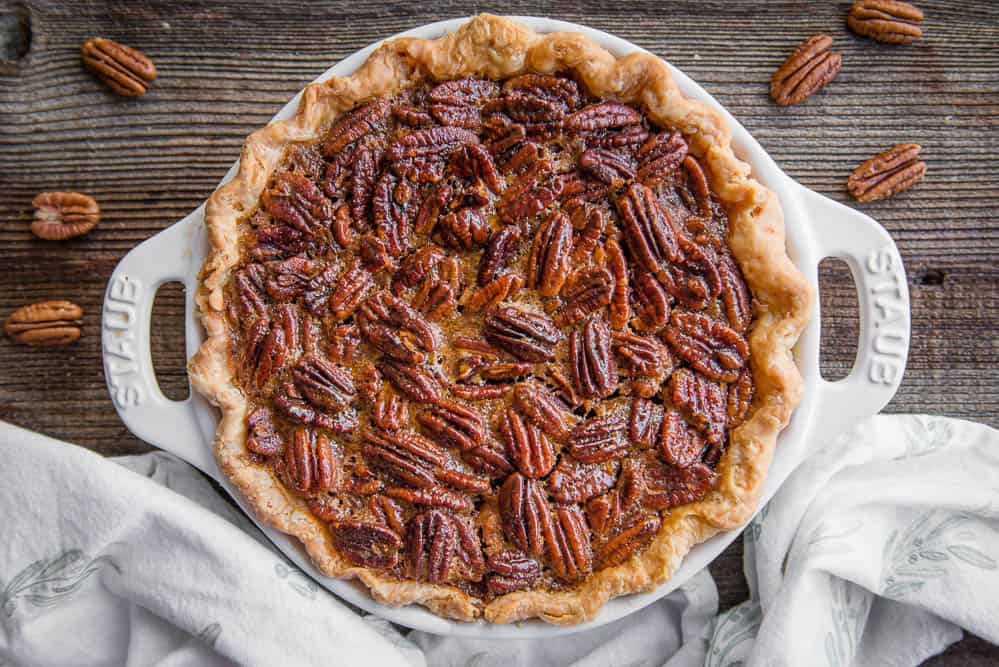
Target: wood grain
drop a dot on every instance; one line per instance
(225, 68)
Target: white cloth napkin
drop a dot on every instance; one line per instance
(877, 550)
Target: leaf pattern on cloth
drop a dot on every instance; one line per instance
(925, 549)
(755, 527)
(48, 581)
(850, 606)
(297, 580)
(925, 436)
(738, 625)
(824, 540)
(209, 634)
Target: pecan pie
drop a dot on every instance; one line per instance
(499, 324)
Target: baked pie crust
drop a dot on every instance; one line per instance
(497, 48)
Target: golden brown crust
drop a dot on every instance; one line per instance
(498, 48)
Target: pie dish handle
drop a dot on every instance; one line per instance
(883, 301)
(125, 342)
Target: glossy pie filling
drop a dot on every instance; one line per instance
(491, 332)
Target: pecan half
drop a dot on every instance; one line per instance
(526, 445)
(474, 161)
(298, 203)
(63, 215)
(569, 551)
(805, 71)
(607, 166)
(46, 323)
(735, 295)
(631, 539)
(576, 482)
(594, 370)
(342, 342)
(711, 347)
(886, 174)
(397, 330)
(124, 70)
(389, 411)
(363, 179)
(668, 486)
(436, 496)
(263, 439)
(542, 408)
(599, 439)
(694, 280)
(679, 444)
(391, 222)
(589, 222)
(527, 195)
(432, 541)
(324, 383)
(453, 424)
(587, 290)
(661, 156)
(359, 123)
(740, 397)
(267, 350)
(646, 421)
(548, 264)
(500, 251)
(561, 91)
(647, 230)
(495, 292)
(620, 313)
(527, 335)
(601, 116)
(404, 455)
(417, 383)
(367, 544)
(887, 21)
(525, 513)
(489, 460)
(465, 229)
(646, 361)
(511, 571)
(702, 401)
(310, 463)
(290, 404)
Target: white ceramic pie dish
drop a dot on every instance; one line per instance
(817, 228)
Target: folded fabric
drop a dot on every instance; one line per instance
(876, 550)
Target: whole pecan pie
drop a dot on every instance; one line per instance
(499, 324)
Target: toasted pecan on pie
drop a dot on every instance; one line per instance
(499, 324)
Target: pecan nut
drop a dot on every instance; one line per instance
(495, 292)
(660, 157)
(886, 174)
(809, 68)
(311, 463)
(359, 123)
(702, 401)
(489, 460)
(438, 544)
(646, 361)
(594, 370)
(548, 265)
(734, 294)
(647, 230)
(267, 348)
(525, 512)
(294, 408)
(527, 335)
(63, 215)
(47, 323)
(124, 70)
(602, 116)
(679, 445)
(887, 21)
(587, 290)
(646, 420)
(263, 439)
(599, 439)
(668, 486)
(511, 571)
(323, 383)
(367, 544)
(576, 482)
(395, 329)
(500, 251)
(389, 411)
(526, 444)
(542, 408)
(652, 303)
(607, 166)
(296, 201)
(620, 313)
(417, 383)
(453, 424)
(740, 398)
(570, 554)
(404, 455)
(631, 539)
(711, 347)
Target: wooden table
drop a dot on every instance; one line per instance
(225, 68)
